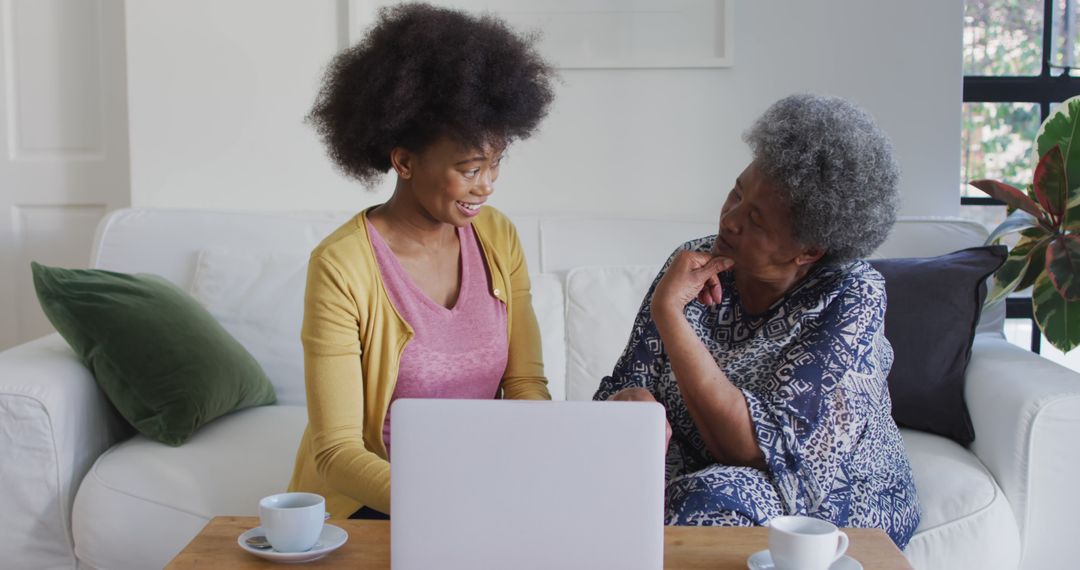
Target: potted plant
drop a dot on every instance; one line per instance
(1047, 216)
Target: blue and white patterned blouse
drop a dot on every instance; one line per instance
(813, 369)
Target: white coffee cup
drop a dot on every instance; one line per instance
(805, 543)
(292, 521)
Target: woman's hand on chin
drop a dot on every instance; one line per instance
(692, 275)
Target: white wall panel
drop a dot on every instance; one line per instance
(53, 50)
(63, 142)
(591, 34)
(219, 90)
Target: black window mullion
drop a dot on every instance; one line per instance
(1035, 89)
(1047, 39)
(980, 201)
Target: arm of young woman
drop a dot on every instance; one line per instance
(335, 391)
(524, 377)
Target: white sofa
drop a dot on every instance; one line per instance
(78, 491)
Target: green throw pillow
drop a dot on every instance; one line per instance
(158, 355)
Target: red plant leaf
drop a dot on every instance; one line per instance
(1051, 184)
(1063, 265)
(1011, 195)
(1037, 255)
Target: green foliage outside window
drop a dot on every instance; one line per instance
(1001, 38)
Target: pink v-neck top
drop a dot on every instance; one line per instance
(455, 353)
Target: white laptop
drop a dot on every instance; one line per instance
(526, 485)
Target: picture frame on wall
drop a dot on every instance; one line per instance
(604, 34)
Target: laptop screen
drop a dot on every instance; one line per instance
(517, 484)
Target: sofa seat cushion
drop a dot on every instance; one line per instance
(966, 520)
(142, 501)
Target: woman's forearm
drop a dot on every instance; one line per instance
(718, 408)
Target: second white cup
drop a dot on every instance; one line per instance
(805, 543)
(292, 521)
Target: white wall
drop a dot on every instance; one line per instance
(63, 143)
(218, 91)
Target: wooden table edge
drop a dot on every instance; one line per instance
(685, 547)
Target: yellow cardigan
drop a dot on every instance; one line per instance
(353, 339)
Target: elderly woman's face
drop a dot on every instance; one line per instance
(756, 230)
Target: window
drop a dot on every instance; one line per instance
(1020, 60)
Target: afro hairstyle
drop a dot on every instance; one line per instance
(422, 73)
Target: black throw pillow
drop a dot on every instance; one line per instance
(934, 307)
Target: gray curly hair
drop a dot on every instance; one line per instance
(835, 167)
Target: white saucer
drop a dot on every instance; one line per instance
(331, 538)
(761, 560)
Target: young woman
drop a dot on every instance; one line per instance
(427, 295)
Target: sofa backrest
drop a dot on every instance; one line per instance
(589, 276)
(167, 242)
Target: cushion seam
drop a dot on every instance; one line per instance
(980, 511)
(99, 479)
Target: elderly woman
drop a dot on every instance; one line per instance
(765, 343)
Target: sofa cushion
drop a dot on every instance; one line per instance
(548, 304)
(161, 359)
(601, 304)
(933, 310)
(966, 520)
(933, 236)
(258, 296)
(163, 496)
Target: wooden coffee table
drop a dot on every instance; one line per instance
(368, 547)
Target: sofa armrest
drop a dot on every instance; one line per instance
(54, 422)
(1026, 413)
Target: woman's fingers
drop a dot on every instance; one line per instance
(717, 264)
(634, 394)
(715, 290)
(711, 293)
(692, 275)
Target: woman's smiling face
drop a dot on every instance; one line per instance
(450, 181)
